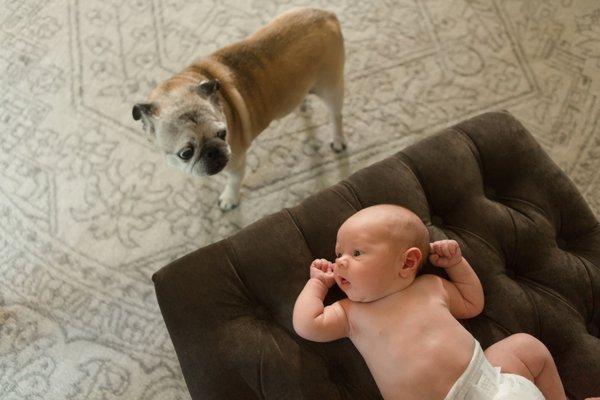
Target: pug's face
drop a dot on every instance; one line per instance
(189, 126)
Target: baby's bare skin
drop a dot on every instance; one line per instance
(413, 346)
(405, 328)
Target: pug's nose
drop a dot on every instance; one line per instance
(212, 153)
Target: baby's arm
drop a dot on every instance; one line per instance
(464, 291)
(312, 320)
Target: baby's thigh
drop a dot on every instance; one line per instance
(520, 354)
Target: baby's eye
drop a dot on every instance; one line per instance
(356, 253)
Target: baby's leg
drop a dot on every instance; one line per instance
(524, 355)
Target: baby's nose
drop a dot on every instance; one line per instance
(341, 262)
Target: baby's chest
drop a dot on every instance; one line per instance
(368, 323)
(394, 322)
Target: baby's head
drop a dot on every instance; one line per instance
(379, 251)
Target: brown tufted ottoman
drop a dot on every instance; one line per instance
(485, 182)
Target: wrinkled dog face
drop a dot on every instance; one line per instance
(188, 125)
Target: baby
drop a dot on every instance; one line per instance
(406, 326)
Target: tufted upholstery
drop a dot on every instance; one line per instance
(485, 182)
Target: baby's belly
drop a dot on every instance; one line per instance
(424, 365)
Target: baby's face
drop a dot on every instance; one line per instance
(366, 261)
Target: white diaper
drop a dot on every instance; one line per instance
(481, 381)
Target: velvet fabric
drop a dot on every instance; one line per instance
(485, 182)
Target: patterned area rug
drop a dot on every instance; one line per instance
(88, 210)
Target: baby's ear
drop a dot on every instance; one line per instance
(412, 260)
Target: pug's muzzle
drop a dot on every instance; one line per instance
(214, 156)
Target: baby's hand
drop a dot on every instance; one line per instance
(445, 253)
(322, 270)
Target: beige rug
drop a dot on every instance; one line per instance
(88, 211)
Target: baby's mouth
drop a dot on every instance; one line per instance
(344, 281)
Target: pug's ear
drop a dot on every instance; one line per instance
(208, 88)
(145, 110)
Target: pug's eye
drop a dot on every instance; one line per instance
(186, 153)
(190, 117)
(221, 134)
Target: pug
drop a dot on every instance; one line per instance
(205, 117)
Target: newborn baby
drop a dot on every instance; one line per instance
(405, 326)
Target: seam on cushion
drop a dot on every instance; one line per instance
(497, 324)
(477, 155)
(471, 145)
(348, 186)
(409, 163)
(560, 223)
(538, 321)
(585, 268)
(406, 160)
(346, 385)
(536, 207)
(592, 232)
(403, 159)
(595, 229)
(488, 244)
(296, 224)
(549, 292)
(236, 261)
(316, 349)
(516, 236)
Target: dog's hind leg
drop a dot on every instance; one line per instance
(333, 97)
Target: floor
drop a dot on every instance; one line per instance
(89, 209)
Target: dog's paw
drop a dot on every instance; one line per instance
(228, 200)
(338, 147)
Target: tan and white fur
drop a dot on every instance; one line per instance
(205, 117)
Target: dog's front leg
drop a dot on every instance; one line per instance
(235, 170)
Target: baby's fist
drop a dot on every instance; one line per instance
(445, 253)
(322, 270)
